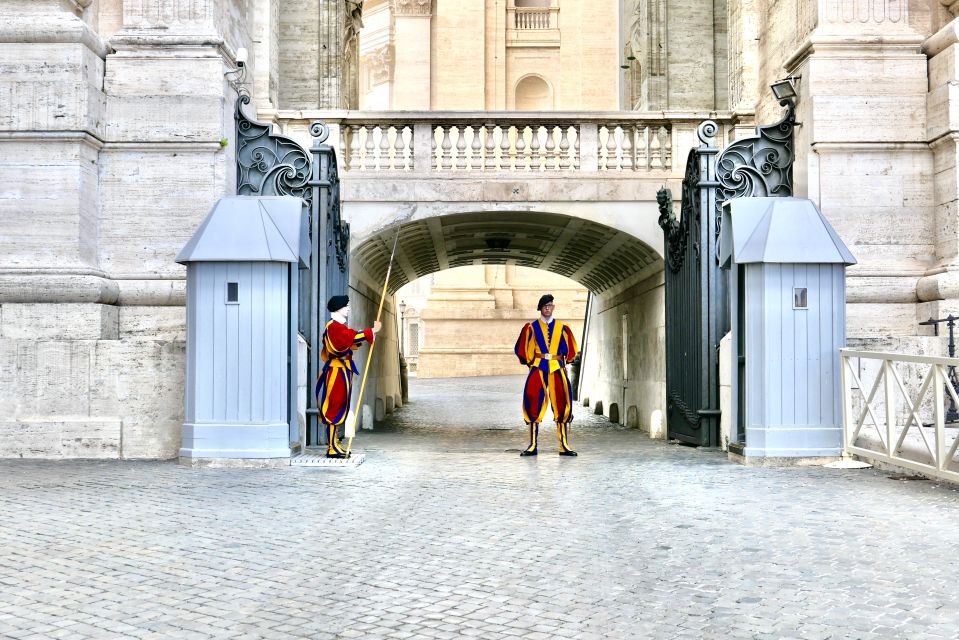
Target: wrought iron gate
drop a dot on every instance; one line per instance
(269, 164)
(697, 305)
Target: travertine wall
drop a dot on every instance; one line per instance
(474, 314)
(862, 151)
(112, 155)
(639, 392)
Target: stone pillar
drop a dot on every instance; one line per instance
(743, 22)
(124, 153)
(939, 288)
(266, 55)
(861, 150)
(55, 302)
(411, 71)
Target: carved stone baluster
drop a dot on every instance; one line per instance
(490, 160)
(505, 157)
(434, 163)
(355, 153)
(535, 159)
(476, 159)
(577, 157)
(446, 158)
(551, 148)
(369, 160)
(384, 162)
(460, 161)
(609, 159)
(521, 148)
(655, 160)
(641, 152)
(346, 142)
(564, 148)
(399, 149)
(628, 147)
(665, 147)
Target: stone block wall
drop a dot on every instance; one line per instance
(642, 393)
(116, 132)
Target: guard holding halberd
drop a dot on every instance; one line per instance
(335, 381)
(545, 346)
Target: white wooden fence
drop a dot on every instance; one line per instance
(894, 411)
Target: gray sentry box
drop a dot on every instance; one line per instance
(242, 269)
(787, 291)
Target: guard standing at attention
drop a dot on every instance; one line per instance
(335, 381)
(545, 346)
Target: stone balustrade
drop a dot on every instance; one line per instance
(525, 18)
(493, 142)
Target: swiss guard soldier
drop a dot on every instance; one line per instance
(335, 380)
(545, 346)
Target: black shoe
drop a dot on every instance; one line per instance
(568, 452)
(338, 455)
(532, 452)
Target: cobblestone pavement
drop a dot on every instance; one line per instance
(444, 533)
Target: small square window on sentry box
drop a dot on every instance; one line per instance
(233, 293)
(800, 298)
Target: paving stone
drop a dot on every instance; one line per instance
(446, 532)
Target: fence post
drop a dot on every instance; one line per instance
(889, 392)
(422, 146)
(846, 401)
(939, 401)
(588, 146)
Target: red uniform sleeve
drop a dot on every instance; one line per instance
(521, 342)
(571, 349)
(341, 336)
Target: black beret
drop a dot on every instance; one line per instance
(337, 302)
(546, 299)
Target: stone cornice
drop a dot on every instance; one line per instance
(413, 7)
(52, 29)
(942, 39)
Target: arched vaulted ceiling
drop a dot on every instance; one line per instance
(596, 256)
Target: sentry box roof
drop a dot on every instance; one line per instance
(779, 230)
(251, 229)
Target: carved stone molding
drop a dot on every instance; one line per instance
(379, 62)
(951, 5)
(858, 12)
(413, 7)
(79, 5)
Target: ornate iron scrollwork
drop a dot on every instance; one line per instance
(268, 164)
(759, 165)
(675, 230)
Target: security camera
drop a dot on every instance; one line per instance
(241, 57)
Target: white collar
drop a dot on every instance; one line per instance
(338, 317)
(545, 321)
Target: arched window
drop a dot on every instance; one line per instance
(533, 94)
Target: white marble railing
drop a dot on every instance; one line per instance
(525, 18)
(499, 142)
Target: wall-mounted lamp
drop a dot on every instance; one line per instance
(785, 89)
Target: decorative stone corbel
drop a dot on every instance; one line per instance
(417, 7)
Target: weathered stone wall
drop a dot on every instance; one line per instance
(640, 397)
(113, 155)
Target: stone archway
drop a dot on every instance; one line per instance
(623, 273)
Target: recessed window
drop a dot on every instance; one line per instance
(800, 298)
(233, 293)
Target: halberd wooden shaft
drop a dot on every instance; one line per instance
(369, 355)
